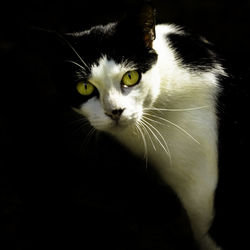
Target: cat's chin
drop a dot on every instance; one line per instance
(117, 127)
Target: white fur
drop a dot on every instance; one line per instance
(185, 150)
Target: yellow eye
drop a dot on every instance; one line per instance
(85, 88)
(131, 78)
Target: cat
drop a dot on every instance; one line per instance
(154, 88)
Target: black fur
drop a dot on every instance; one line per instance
(118, 42)
(193, 52)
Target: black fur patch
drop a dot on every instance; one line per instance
(192, 51)
(118, 44)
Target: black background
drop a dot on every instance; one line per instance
(58, 191)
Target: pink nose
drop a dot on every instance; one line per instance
(115, 114)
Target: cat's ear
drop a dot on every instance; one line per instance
(139, 23)
(146, 23)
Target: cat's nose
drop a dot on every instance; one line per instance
(115, 114)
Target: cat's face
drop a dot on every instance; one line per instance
(112, 72)
(120, 92)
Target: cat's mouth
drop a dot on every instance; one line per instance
(112, 125)
(121, 124)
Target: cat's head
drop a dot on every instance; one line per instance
(110, 74)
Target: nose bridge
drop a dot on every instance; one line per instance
(107, 76)
(113, 105)
(112, 99)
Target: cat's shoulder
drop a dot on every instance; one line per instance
(192, 50)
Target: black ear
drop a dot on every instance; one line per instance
(146, 23)
(139, 23)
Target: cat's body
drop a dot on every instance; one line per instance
(167, 115)
(190, 164)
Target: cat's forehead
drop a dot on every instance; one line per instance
(105, 45)
(92, 44)
(108, 68)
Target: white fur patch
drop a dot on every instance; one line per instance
(106, 76)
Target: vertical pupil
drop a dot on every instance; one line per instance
(129, 75)
(85, 86)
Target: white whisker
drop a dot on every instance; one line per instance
(66, 41)
(166, 147)
(145, 129)
(176, 110)
(75, 63)
(144, 143)
(148, 125)
(78, 126)
(160, 123)
(69, 44)
(175, 125)
(87, 138)
(82, 120)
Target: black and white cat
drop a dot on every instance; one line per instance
(154, 88)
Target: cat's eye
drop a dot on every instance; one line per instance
(85, 88)
(131, 78)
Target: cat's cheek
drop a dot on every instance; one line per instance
(103, 126)
(134, 114)
(94, 113)
(151, 88)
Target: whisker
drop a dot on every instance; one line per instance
(77, 64)
(145, 129)
(167, 150)
(177, 126)
(148, 125)
(76, 125)
(176, 110)
(70, 45)
(87, 139)
(65, 40)
(77, 121)
(153, 119)
(79, 129)
(144, 143)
